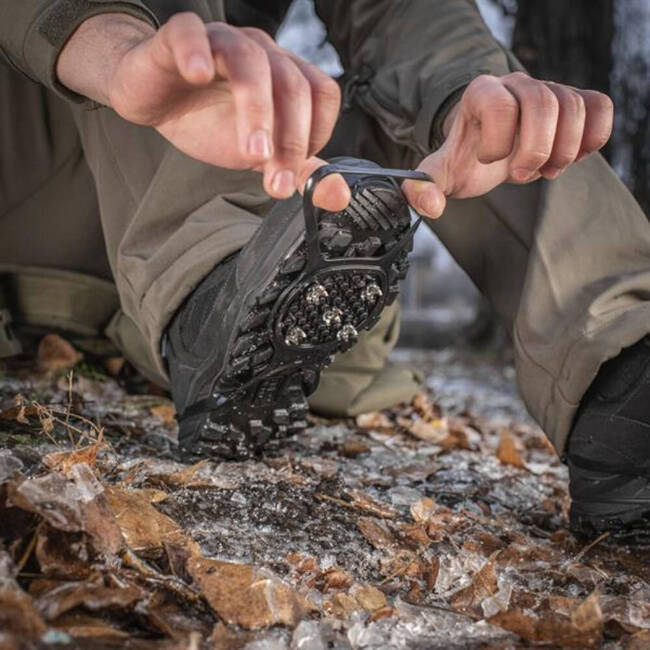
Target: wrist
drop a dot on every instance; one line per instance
(449, 119)
(88, 60)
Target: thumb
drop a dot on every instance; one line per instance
(428, 199)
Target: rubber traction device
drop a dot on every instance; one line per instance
(319, 285)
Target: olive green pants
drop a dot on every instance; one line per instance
(92, 203)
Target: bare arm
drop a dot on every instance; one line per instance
(224, 95)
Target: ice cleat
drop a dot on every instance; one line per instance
(609, 451)
(248, 346)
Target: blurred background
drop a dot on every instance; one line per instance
(599, 44)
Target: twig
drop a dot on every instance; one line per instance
(69, 406)
(588, 548)
(353, 506)
(25, 556)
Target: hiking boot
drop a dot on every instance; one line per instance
(247, 347)
(609, 450)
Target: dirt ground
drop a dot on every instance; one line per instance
(436, 524)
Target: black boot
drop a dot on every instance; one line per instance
(609, 450)
(248, 345)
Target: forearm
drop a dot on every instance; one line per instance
(88, 59)
(34, 32)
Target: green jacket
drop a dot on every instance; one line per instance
(409, 59)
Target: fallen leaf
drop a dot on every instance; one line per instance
(81, 625)
(373, 420)
(425, 407)
(354, 446)
(507, 451)
(77, 504)
(483, 585)
(423, 509)
(63, 461)
(369, 597)
(61, 554)
(247, 596)
(303, 563)
(555, 629)
(435, 431)
(114, 365)
(93, 595)
(333, 578)
(376, 533)
(365, 502)
(166, 413)
(18, 612)
(144, 528)
(55, 353)
(588, 616)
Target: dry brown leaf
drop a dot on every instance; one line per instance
(483, 585)
(435, 431)
(92, 595)
(507, 451)
(74, 504)
(638, 641)
(373, 420)
(354, 446)
(114, 365)
(369, 597)
(414, 535)
(365, 502)
(341, 605)
(303, 563)
(244, 595)
(425, 407)
(588, 616)
(548, 628)
(63, 461)
(144, 528)
(333, 578)
(166, 413)
(61, 554)
(81, 625)
(20, 412)
(376, 533)
(423, 509)
(18, 613)
(384, 612)
(55, 353)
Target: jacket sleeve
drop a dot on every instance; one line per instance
(33, 32)
(411, 59)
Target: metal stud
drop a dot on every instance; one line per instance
(295, 336)
(371, 293)
(347, 332)
(332, 317)
(316, 293)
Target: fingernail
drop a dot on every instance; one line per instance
(553, 172)
(259, 145)
(522, 175)
(426, 204)
(198, 63)
(284, 182)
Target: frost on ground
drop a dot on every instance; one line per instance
(437, 524)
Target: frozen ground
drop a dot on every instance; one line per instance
(436, 524)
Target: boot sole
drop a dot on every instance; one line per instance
(626, 519)
(313, 307)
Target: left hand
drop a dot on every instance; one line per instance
(512, 129)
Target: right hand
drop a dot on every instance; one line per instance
(233, 98)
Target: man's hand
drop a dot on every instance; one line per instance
(510, 129)
(226, 96)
